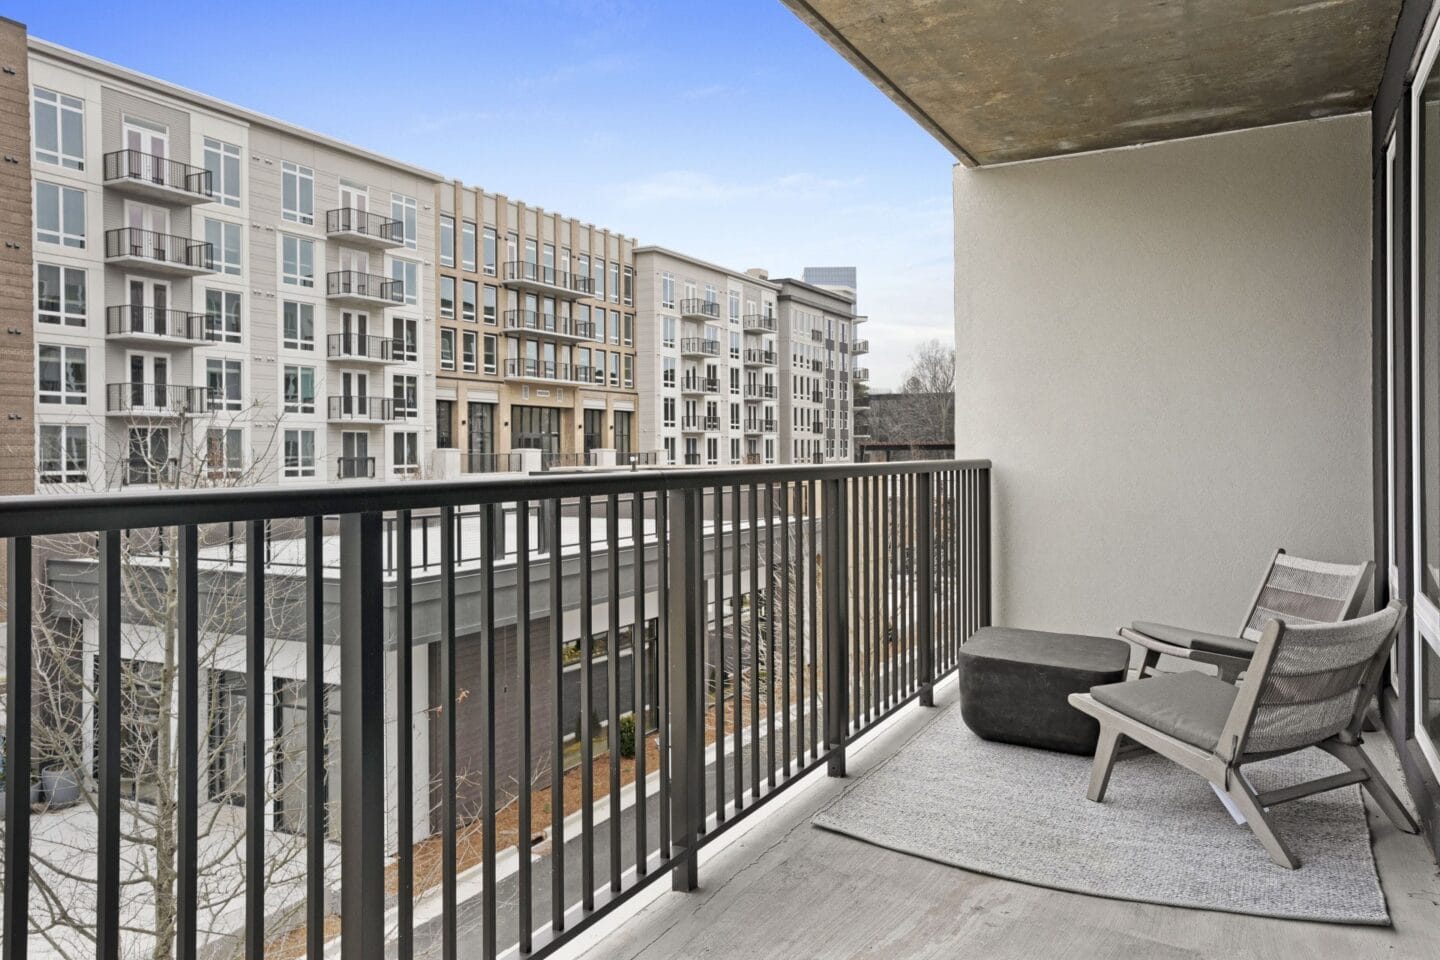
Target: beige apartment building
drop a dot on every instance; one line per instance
(818, 349)
(536, 334)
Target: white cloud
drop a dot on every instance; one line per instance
(691, 186)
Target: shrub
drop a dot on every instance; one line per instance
(627, 736)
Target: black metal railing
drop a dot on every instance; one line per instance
(759, 391)
(700, 346)
(133, 319)
(142, 471)
(860, 346)
(699, 384)
(639, 458)
(696, 307)
(162, 248)
(759, 425)
(549, 323)
(475, 461)
(359, 346)
(551, 460)
(360, 407)
(147, 168)
(367, 286)
(523, 271)
(352, 221)
(355, 468)
(817, 396)
(699, 423)
(156, 399)
(760, 322)
(760, 357)
(546, 370)
(734, 630)
(862, 374)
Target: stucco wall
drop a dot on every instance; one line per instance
(1165, 351)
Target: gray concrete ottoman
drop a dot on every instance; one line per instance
(1014, 685)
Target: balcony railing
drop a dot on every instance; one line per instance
(817, 396)
(362, 226)
(545, 370)
(860, 346)
(759, 391)
(359, 407)
(357, 346)
(141, 471)
(523, 273)
(699, 424)
(829, 598)
(368, 287)
(758, 323)
(699, 385)
(760, 426)
(699, 347)
(156, 399)
(861, 374)
(136, 321)
(692, 460)
(549, 323)
(697, 309)
(355, 468)
(475, 461)
(165, 252)
(763, 358)
(158, 176)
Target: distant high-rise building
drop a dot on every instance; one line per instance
(832, 278)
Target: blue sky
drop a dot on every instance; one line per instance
(726, 129)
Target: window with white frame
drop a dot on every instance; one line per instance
(62, 376)
(59, 129)
(224, 238)
(223, 161)
(447, 348)
(59, 215)
(614, 281)
(223, 378)
(627, 330)
(60, 295)
(468, 346)
(667, 376)
(667, 411)
(297, 261)
(668, 327)
(224, 452)
(467, 245)
(667, 291)
(298, 325)
(488, 306)
(407, 272)
(222, 316)
(298, 387)
(492, 348)
(406, 453)
(490, 254)
(628, 368)
(64, 453)
(447, 240)
(629, 290)
(299, 453)
(734, 306)
(467, 300)
(405, 210)
(405, 389)
(447, 297)
(405, 332)
(297, 193)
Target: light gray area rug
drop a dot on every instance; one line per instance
(1161, 836)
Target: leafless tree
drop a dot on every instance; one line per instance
(924, 409)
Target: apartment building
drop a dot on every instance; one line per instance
(219, 296)
(535, 348)
(817, 406)
(708, 370)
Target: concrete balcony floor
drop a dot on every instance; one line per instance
(782, 888)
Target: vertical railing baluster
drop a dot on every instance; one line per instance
(362, 736)
(925, 587)
(813, 498)
(187, 628)
(449, 704)
(18, 701)
(315, 714)
(802, 578)
(852, 600)
(662, 660)
(404, 738)
(718, 539)
(785, 621)
(523, 779)
(612, 677)
(736, 620)
(754, 644)
(836, 614)
(770, 633)
(686, 615)
(107, 881)
(255, 716)
(637, 672)
(587, 708)
(491, 522)
(984, 535)
(557, 733)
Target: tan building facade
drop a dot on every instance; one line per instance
(536, 334)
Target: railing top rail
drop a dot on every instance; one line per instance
(38, 515)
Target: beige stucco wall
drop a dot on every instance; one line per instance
(1165, 351)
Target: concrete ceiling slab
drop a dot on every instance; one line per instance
(998, 81)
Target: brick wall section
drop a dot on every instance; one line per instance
(17, 341)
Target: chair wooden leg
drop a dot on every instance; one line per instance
(1356, 759)
(1243, 797)
(1105, 752)
(1148, 663)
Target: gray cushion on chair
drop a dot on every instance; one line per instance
(1196, 639)
(1189, 706)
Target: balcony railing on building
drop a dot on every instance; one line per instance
(142, 471)
(361, 227)
(862, 374)
(758, 323)
(759, 391)
(359, 407)
(759, 358)
(694, 308)
(355, 468)
(480, 461)
(367, 289)
(549, 323)
(528, 369)
(157, 178)
(699, 385)
(155, 252)
(131, 321)
(759, 425)
(522, 274)
(359, 347)
(139, 399)
(699, 423)
(699, 347)
(860, 346)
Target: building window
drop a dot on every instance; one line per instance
(59, 129)
(297, 193)
(668, 375)
(628, 296)
(447, 348)
(222, 377)
(467, 245)
(667, 332)
(447, 240)
(224, 237)
(224, 452)
(447, 297)
(298, 320)
(582, 266)
(223, 161)
(491, 348)
(667, 414)
(64, 453)
(299, 453)
(628, 365)
(597, 288)
(600, 324)
(490, 251)
(408, 273)
(404, 209)
(222, 316)
(407, 453)
(667, 291)
(60, 295)
(299, 389)
(405, 333)
(488, 308)
(297, 261)
(467, 300)
(627, 330)
(482, 428)
(467, 351)
(59, 215)
(405, 388)
(734, 306)
(62, 376)
(614, 281)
